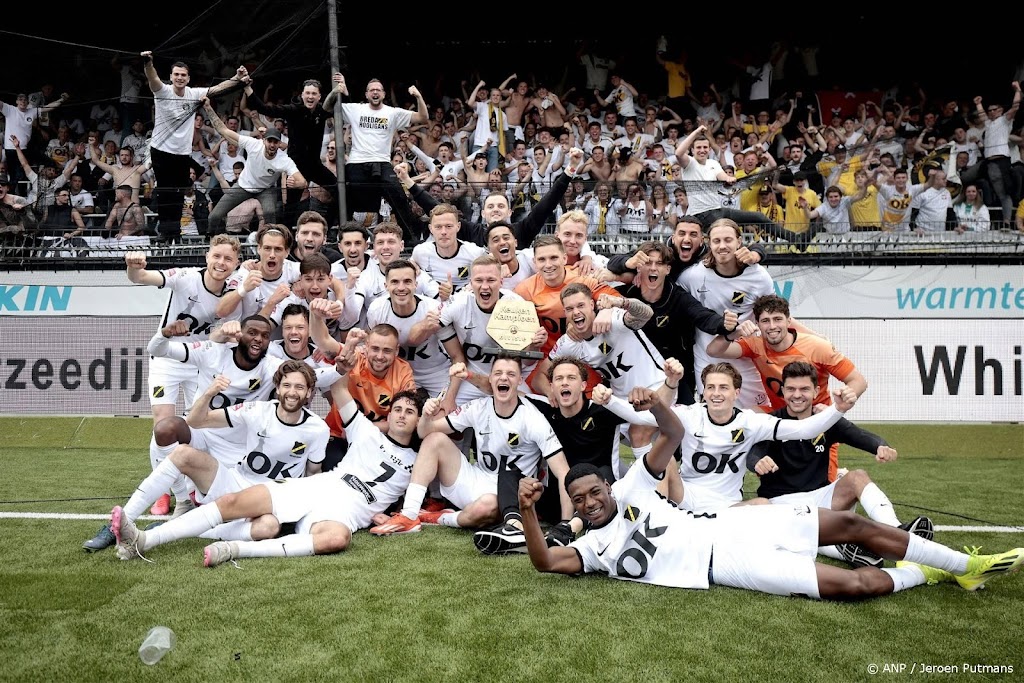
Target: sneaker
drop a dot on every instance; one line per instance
(433, 505)
(981, 568)
(433, 517)
(104, 538)
(128, 536)
(560, 535)
(162, 506)
(501, 540)
(920, 526)
(398, 524)
(219, 553)
(183, 507)
(931, 574)
(859, 556)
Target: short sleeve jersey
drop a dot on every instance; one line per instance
(462, 318)
(260, 172)
(372, 130)
(648, 540)
(375, 465)
(175, 119)
(440, 267)
(426, 358)
(518, 441)
(274, 449)
(192, 302)
(549, 303)
(806, 347)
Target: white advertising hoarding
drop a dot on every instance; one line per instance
(101, 293)
(889, 292)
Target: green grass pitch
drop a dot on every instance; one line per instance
(427, 607)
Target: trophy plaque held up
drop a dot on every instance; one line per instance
(513, 324)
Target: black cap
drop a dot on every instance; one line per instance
(800, 175)
(272, 134)
(765, 190)
(840, 148)
(4, 180)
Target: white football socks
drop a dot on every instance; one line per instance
(151, 488)
(294, 545)
(877, 506)
(190, 525)
(237, 530)
(905, 577)
(932, 554)
(414, 496)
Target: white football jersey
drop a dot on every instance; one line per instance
(277, 350)
(371, 285)
(738, 294)
(624, 357)
(524, 271)
(192, 302)
(275, 450)
(254, 301)
(649, 540)
(440, 267)
(518, 441)
(462, 317)
(375, 465)
(428, 360)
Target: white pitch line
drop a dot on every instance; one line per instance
(80, 515)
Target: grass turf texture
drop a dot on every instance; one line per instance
(428, 607)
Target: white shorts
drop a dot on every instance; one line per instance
(818, 498)
(699, 499)
(472, 483)
(434, 381)
(768, 548)
(166, 377)
(227, 452)
(320, 498)
(227, 480)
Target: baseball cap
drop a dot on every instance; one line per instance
(272, 134)
(800, 175)
(4, 180)
(840, 148)
(765, 190)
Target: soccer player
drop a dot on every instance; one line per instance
(516, 264)
(510, 435)
(310, 237)
(283, 439)
(326, 508)
(723, 282)
(314, 282)
(461, 326)
(377, 375)
(251, 289)
(544, 290)
(717, 437)
(677, 315)
(770, 549)
(402, 309)
(779, 344)
(387, 247)
(804, 471)
(446, 259)
(352, 240)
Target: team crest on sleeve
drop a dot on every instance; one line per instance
(513, 439)
(299, 448)
(588, 424)
(254, 384)
(739, 297)
(631, 513)
(158, 392)
(737, 436)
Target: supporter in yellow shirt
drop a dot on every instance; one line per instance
(796, 217)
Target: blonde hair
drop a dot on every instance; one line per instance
(229, 240)
(709, 258)
(575, 215)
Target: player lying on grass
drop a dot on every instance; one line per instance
(326, 508)
(283, 440)
(636, 535)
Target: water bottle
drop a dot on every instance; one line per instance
(158, 642)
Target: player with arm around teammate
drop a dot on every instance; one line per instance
(636, 535)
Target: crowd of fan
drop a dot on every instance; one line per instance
(905, 163)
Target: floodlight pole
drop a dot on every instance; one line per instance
(339, 140)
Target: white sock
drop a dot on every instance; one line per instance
(877, 506)
(151, 488)
(932, 554)
(905, 577)
(295, 545)
(641, 451)
(237, 530)
(450, 519)
(158, 453)
(414, 500)
(180, 489)
(189, 525)
(831, 551)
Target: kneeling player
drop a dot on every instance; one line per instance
(636, 535)
(283, 439)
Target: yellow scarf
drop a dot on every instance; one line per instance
(497, 119)
(602, 225)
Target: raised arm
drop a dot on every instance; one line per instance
(137, 273)
(217, 124)
(200, 416)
